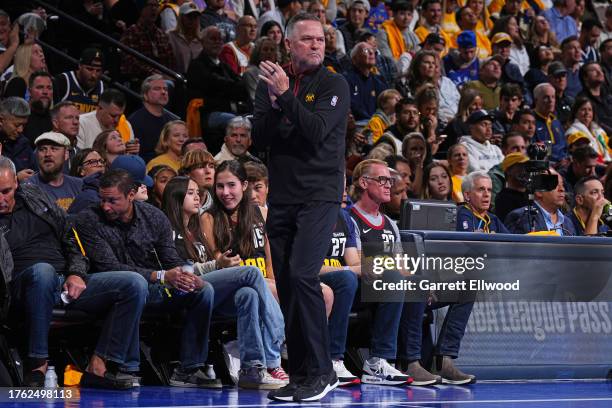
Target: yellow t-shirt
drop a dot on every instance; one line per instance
(457, 190)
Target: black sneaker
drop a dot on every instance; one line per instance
(284, 393)
(197, 378)
(34, 378)
(316, 388)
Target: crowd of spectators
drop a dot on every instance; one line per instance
(446, 97)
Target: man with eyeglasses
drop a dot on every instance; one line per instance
(236, 54)
(548, 215)
(377, 234)
(364, 85)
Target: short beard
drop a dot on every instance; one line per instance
(41, 106)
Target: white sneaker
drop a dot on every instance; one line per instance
(379, 371)
(258, 378)
(345, 377)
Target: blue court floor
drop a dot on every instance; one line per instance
(484, 394)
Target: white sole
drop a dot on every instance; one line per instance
(255, 386)
(190, 385)
(424, 383)
(461, 382)
(328, 388)
(372, 379)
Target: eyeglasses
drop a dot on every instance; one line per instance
(94, 162)
(369, 51)
(382, 180)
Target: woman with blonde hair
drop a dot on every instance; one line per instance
(458, 162)
(541, 34)
(173, 137)
(28, 59)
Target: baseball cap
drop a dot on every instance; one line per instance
(135, 166)
(364, 3)
(466, 39)
(188, 8)
(500, 38)
(92, 56)
(159, 168)
(512, 159)
(479, 116)
(498, 58)
(574, 137)
(433, 38)
(54, 137)
(556, 68)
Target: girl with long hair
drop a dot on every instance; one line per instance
(235, 224)
(240, 291)
(437, 182)
(458, 163)
(110, 145)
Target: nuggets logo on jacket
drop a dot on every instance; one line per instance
(309, 97)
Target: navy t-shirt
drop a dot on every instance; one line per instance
(63, 195)
(147, 128)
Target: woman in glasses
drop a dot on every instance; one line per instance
(87, 162)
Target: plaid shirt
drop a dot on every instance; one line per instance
(149, 41)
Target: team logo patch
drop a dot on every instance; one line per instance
(309, 97)
(334, 100)
(465, 225)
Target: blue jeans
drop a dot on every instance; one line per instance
(121, 296)
(241, 291)
(386, 321)
(451, 333)
(344, 285)
(196, 327)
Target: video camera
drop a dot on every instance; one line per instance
(537, 169)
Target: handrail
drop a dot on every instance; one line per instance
(114, 42)
(104, 77)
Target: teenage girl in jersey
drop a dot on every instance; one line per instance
(239, 290)
(235, 224)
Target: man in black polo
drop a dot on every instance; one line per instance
(301, 116)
